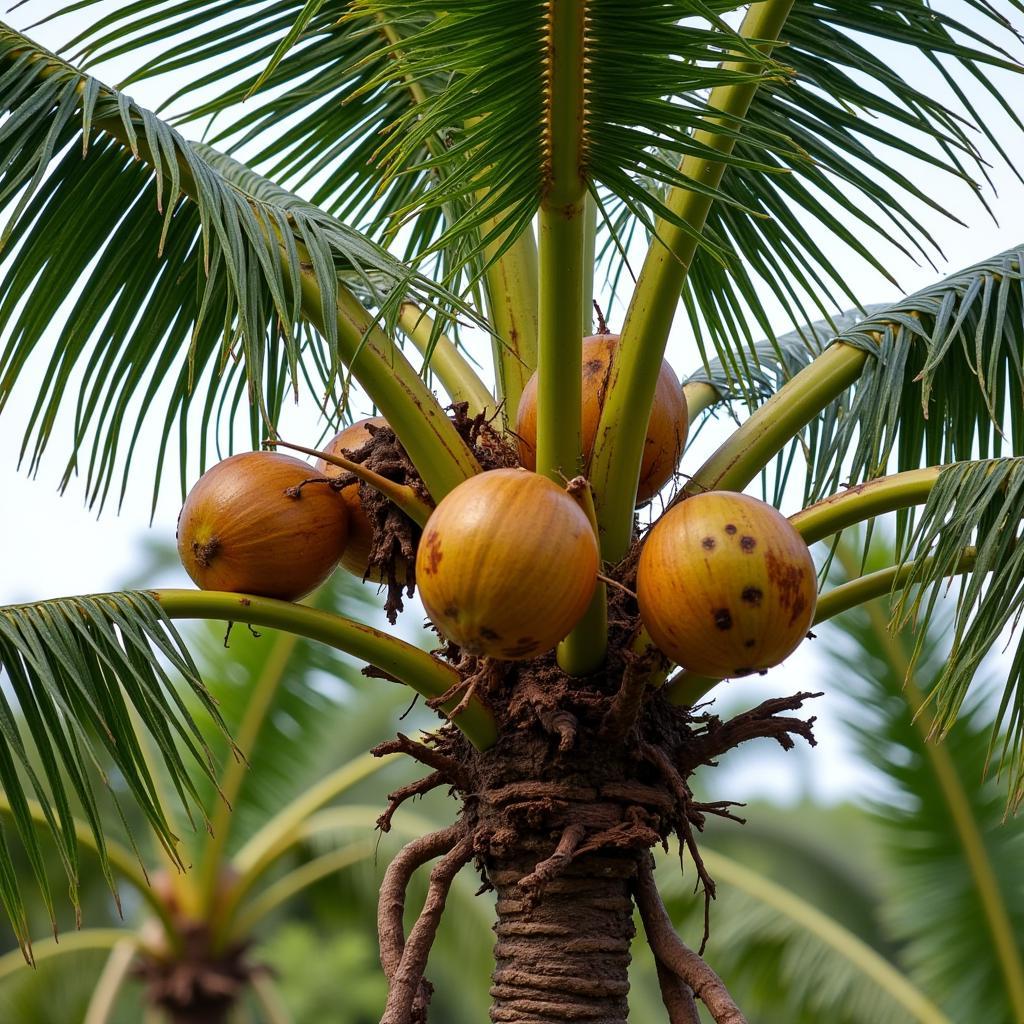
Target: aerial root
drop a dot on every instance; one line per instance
(674, 956)
(676, 995)
(408, 991)
(624, 709)
(419, 788)
(391, 905)
(465, 689)
(447, 766)
(689, 815)
(532, 885)
(762, 721)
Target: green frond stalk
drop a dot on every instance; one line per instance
(619, 446)
(997, 921)
(291, 884)
(450, 366)
(699, 396)
(584, 649)
(564, 277)
(75, 942)
(512, 281)
(425, 674)
(267, 994)
(865, 501)
(874, 585)
(761, 437)
(261, 699)
(111, 981)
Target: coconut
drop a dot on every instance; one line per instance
(725, 584)
(507, 564)
(666, 429)
(356, 557)
(248, 526)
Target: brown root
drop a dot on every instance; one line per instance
(624, 709)
(676, 995)
(670, 950)
(414, 789)
(443, 763)
(533, 884)
(409, 992)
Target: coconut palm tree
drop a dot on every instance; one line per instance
(429, 167)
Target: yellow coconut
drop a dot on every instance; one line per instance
(726, 585)
(666, 429)
(507, 564)
(245, 528)
(356, 557)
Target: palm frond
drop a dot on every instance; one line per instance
(979, 503)
(78, 668)
(944, 380)
(952, 897)
(194, 295)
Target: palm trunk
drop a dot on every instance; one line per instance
(566, 956)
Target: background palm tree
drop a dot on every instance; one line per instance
(643, 117)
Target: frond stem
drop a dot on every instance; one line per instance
(460, 380)
(618, 449)
(425, 674)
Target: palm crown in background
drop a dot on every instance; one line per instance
(408, 153)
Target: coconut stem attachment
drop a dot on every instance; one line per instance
(400, 494)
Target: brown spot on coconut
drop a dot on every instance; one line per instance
(688, 601)
(520, 560)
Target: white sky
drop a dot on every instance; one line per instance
(54, 546)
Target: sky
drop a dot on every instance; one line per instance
(52, 545)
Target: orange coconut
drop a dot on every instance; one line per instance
(245, 530)
(726, 585)
(356, 557)
(666, 429)
(507, 564)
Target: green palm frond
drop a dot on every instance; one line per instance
(980, 504)
(80, 669)
(491, 111)
(952, 898)
(202, 295)
(944, 380)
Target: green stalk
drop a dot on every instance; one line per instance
(865, 501)
(425, 674)
(452, 368)
(756, 442)
(562, 235)
(877, 584)
(589, 263)
(584, 649)
(1000, 927)
(826, 929)
(74, 942)
(618, 451)
(258, 707)
(115, 973)
(512, 302)
(401, 495)
(698, 397)
(284, 888)
(269, 997)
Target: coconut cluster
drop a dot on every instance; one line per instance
(508, 561)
